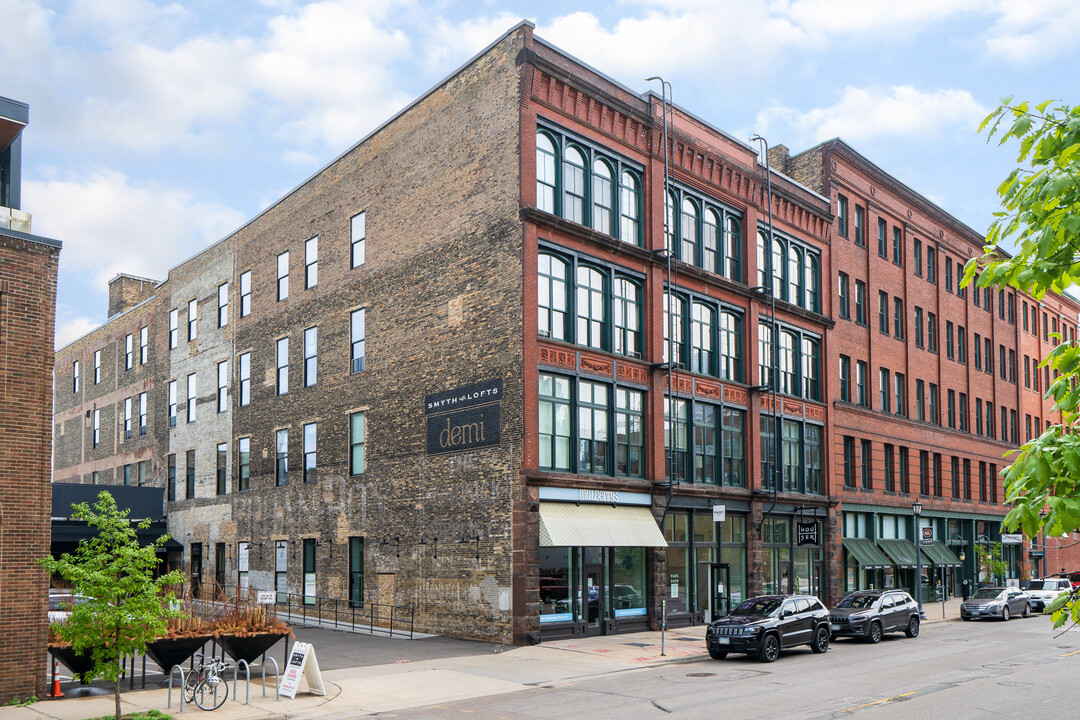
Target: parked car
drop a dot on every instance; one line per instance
(869, 614)
(763, 626)
(1072, 577)
(61, 603)
(1001, 602)
(1043, 592)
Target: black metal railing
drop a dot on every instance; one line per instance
(374, 618)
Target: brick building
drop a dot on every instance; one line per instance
(469, 368)
(27, 312)
(934, 382)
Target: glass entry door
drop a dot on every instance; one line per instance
(594, 589)
(719, 591)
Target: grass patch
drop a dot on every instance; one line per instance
(148, 715)
(21, 702)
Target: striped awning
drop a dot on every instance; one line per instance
(940, 554)
(865, 553)
(900, 552)
(588, 525)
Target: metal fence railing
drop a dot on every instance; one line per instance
(373, 618)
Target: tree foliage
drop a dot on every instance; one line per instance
(125, 605)
(1040, 219)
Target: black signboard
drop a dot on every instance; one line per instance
(464, 418)
(808, 533)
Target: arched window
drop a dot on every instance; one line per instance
(794, 275)
(545, 173)
(762, 261)
(627, 318)
(669, 224)
(778, 268)
(602, 200)
(812, 280)
(688, 229)
(788, 369)
(553, 273)
(701, 338)
(591, 319)
(730, 346)
(629, 212)
(732, 267)
(710, 240)
(573, 185)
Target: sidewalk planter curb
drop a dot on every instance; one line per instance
(77, 663)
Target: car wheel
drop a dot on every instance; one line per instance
(1005, 613)
(912, 629)
(1027, 610)
(770, 649)
(821, 640)
(874, 636)
(717, 654)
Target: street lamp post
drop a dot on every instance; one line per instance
(916, 510)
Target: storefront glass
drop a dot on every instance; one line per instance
(555, 585)
(628, 582)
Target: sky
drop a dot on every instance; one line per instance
(158, 128)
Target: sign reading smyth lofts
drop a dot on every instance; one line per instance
(463, 418)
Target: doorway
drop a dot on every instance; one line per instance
(719, 591)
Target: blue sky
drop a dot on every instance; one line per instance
(157, 128)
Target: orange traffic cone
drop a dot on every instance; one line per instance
(56, 693)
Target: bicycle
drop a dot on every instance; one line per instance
(205, 685)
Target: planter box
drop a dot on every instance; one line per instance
(168, 653)
(250, 648)
(77, 663)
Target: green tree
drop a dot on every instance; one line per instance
(1040, 220)
(126, 606)
(988, 559)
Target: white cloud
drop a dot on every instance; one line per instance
(834, 17)
(866, 113)
(73, 328)
(108, 225)
(1033, 30)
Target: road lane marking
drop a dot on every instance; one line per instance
(1074, 652)
(878, 702)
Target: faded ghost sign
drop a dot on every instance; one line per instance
(464, 418)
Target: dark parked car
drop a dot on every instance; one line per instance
(762, 626)
(869, 614)
(1000, 602)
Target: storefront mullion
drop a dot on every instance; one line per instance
(706, 564)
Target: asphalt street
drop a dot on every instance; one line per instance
(987, 669)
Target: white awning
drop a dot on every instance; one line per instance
(587, 525)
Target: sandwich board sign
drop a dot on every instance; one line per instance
(302, 666)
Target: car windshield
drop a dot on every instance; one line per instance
(988, 594)
(758, 606)
(1038, 585)
(857, 601)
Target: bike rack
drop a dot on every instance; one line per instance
(247, 681)
(182, 684)
(277, 681)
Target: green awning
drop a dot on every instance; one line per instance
(900, 552)
(940, 554)
(865, 553)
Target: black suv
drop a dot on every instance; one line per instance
(869, 614)
(762, 626)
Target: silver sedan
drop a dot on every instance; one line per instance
(996, 602)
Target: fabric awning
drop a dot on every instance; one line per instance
(900, 552)
(940, 554)
(568, 524)
(865, 554)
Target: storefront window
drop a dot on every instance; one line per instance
(628, 581)
(555, 564)
(678, 566)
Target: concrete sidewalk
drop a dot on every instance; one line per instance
(359, 691)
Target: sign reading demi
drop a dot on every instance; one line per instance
(464, 418)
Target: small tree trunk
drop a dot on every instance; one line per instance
(116, 687)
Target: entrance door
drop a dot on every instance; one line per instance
(594, 588)
(719, 591)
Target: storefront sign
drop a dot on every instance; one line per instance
(808, 534)
(266, 597)
(719, 513)
(302, 665)
(605, 497)
(928, 536)
(464, 419)
(1012, 538)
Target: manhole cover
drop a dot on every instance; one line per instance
(700, 674)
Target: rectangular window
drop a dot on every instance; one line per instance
(358, 234)
(961, 345)
(1001, 304)
(283, 276)
(222, 468)
(223, 386)
(128, 351)
(97, 367)
(931, 332)
(989, 418)
(174, 323)
(950, 409)
(882, 238)
(988, 355)
(144, 342)
(897, 247)
(933, 407)
(281, 563)
(356, 572)
(901, 401)
(630, 434)
(223, 305)
(889, 480)
(75, 377)
(860, 302)
(902, 468)
(311, 356)
(860, 383)
(1024, 309)
(192, 319)
(841, 216)
(845, 378)
(918, 327)
(931, 265)
(127, 418)
(142, 414)
(554, 422)
(1002, 367)
(918, 258)
(987, 305)
(884, 389)
(592, 428)
(978, 352)
(860, 217)
(898, 318)
(849, 462)
(706, 444)
(963, 412)
(245, 379)
(309, 571)
(1012, 309)
(192, 395)
(967, 479)
(357, 440)
(733, 444)
(924, 472)
(311, 262)
(127, 475)
(844, 304)
(1012, 366)
(978, 416)
(1014, 432)
(883, 312)
(975, 283)
(948, 274)
(310, 458)
(189, 487)
(245, 293)
(949, 339)
(867, 466)
(282, 366)
(243, 451)
(957, 485)
(982, 481)
(920, 406)
(1027, 372)
(281, 469)
(936, 468)
(359, 335)
(171, 479)
(172, 403)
